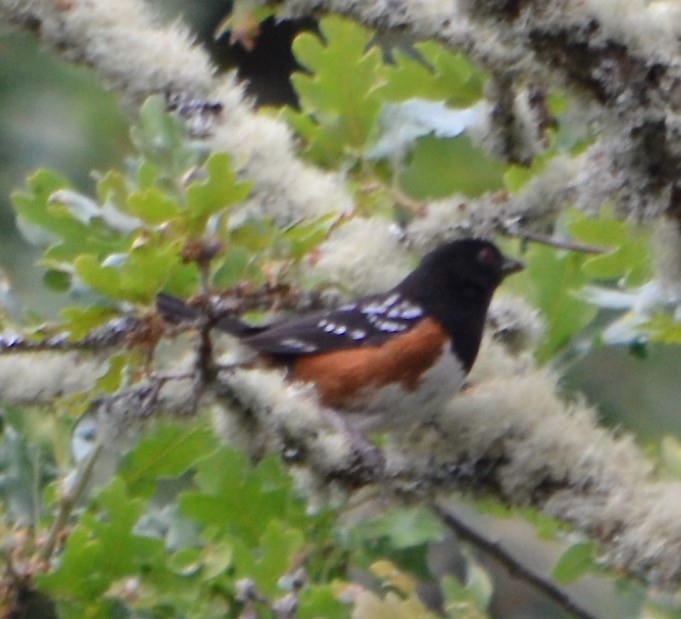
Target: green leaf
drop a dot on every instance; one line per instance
(405, 527)
(57, 280)
(440, 167)
(161, 138)
(185, 562)
(41, 185)
(575, 562)
(169, 452)
(112, 380)
(152, 206)
(516, 176)
(214, 194)
(304, 236)
(432, 72)
(233, 494)
(102, 549)
(479, 584)
(256, 235)
(234, 267)
(81, 321)
(664, 329)
(320, 601)
(102, 279)
(460, 601)
(135, 276)
(404, 535)
(182, 280)
(555, 277)
(340, 91)
(65, 234)
(112, 189)
(216, 558)
(629, 259)
(278, 549)
(19, 469)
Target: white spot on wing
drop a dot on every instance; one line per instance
(329, 326)
(391, 300)
(340, 329)
(411, 312)
(405, 311)
(391, 326)
(380, 307)
(358, 334)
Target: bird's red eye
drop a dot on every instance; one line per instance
(487, 256)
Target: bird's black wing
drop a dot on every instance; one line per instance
(367, 322)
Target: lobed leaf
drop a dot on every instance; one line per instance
(340, 89)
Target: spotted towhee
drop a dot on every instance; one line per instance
(398, 354)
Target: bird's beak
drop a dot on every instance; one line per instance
(509, 266)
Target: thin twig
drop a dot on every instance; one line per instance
(418, 209)
(68, 501)
(415, 207)
(527, 235)
(514, 567)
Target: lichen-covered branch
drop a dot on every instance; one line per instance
(618, 57)
(510, 434)
(137, 55)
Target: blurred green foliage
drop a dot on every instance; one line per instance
(57, 115)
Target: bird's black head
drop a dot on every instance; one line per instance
(469, 269)
(455, 284)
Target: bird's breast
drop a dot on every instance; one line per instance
(402, 380)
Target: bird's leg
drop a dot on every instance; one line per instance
(369, 457)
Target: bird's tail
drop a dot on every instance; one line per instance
(176, 310)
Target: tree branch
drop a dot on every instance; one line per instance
(514, 567)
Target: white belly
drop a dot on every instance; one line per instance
(391, 406)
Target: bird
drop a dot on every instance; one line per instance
(390, 358)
